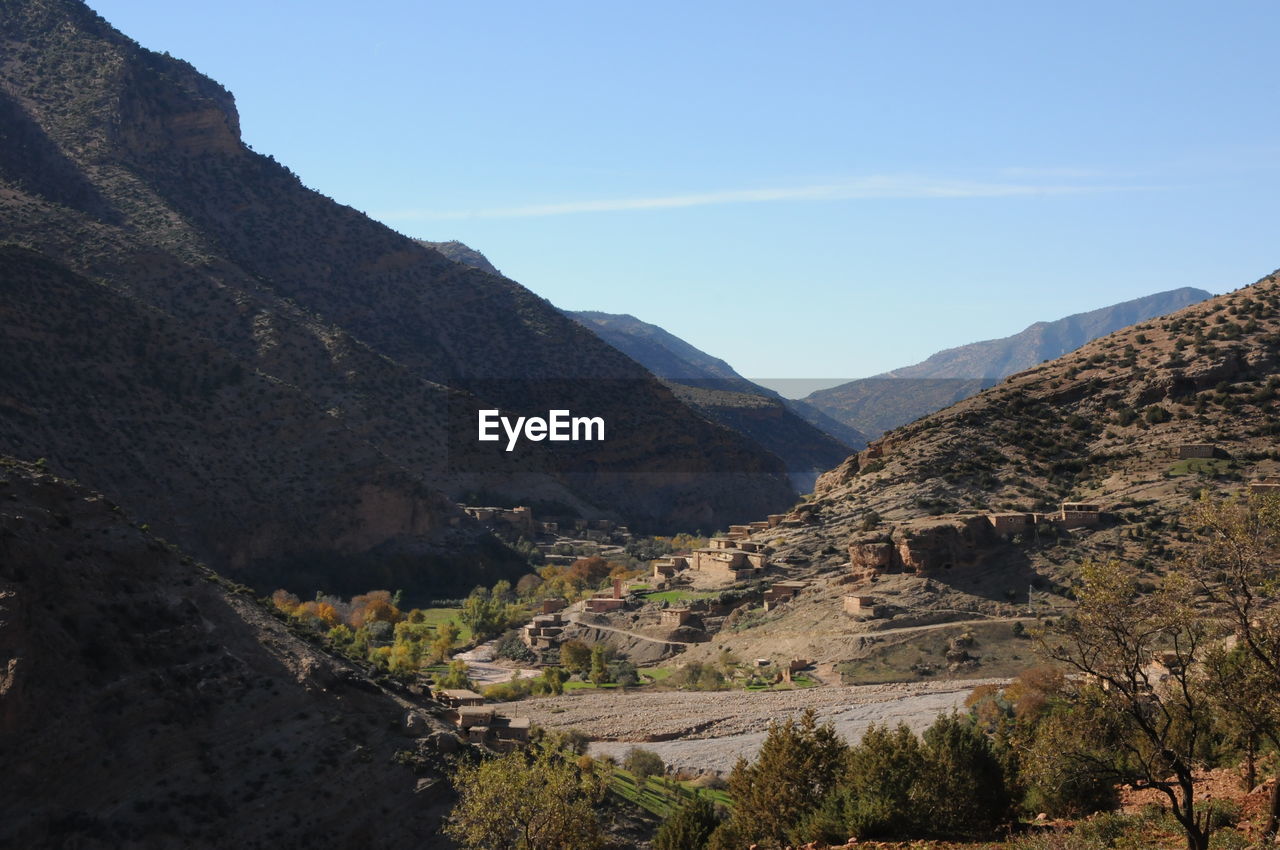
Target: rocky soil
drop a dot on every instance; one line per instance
(715, 728)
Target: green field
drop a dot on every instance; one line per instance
(1201, 466)
(660, 796)
(680, 595)
(440, 616)
(655, 675)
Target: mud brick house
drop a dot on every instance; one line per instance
(859, 605)
(674, 618)
(782, 591)
(604, 603)
(1077, 514)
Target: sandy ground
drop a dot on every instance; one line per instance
(710, 730)
(483, 670)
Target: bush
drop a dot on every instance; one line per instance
(644, 763)
(511, 647)
(689, 827)
(515, 689)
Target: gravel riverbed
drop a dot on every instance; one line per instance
(700, 730)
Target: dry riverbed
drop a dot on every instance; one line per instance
(709, 730)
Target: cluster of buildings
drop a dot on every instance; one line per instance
(481, 724)
(727, 558)
(546, 628)
(1069, 515)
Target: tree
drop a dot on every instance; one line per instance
(643, 764)
(575, 655)
(484, 613)
(1133, 721)
(599, 672)
(526, 801)
(688, 827)
(883, 787)
(446, 636)
(798, 766)
(456, 678)
(962, 789)
(551, 681)
(1235, 571)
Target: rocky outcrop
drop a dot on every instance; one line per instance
(924, 547)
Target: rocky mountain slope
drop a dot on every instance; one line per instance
(939, 547)
(267, 376)
(460, 253)
(877, 404)
(1139, 423)
(145, 702)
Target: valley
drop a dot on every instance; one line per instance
(315, 533)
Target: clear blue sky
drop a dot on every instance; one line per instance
(808, 190)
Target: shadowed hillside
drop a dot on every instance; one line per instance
(265, 374)
(146, 702)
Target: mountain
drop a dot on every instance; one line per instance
(272, 379)
(662, 353)
(954, 517)
(460, 253)
(804, 438)
(875, 405)
(147, 702)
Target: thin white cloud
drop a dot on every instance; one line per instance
(863, 189)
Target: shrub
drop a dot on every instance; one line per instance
(644, 763)
(689, 827)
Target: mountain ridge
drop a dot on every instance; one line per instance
(892, 398)
(333, 349)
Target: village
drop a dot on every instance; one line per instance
(676, 613)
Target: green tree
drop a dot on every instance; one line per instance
(643, 764)
(883, 787)
(456, 678)
(446, 636)
(551, 681)
(575, 655)
(798, 766)
(688, 827)
(599, 672)
(526, 801)
(484, 613)
(962, 789)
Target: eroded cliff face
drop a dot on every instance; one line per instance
(923, 547)
(143, 702)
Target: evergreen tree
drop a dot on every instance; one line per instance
(689, 827)
(798, 766)
(963, 789)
